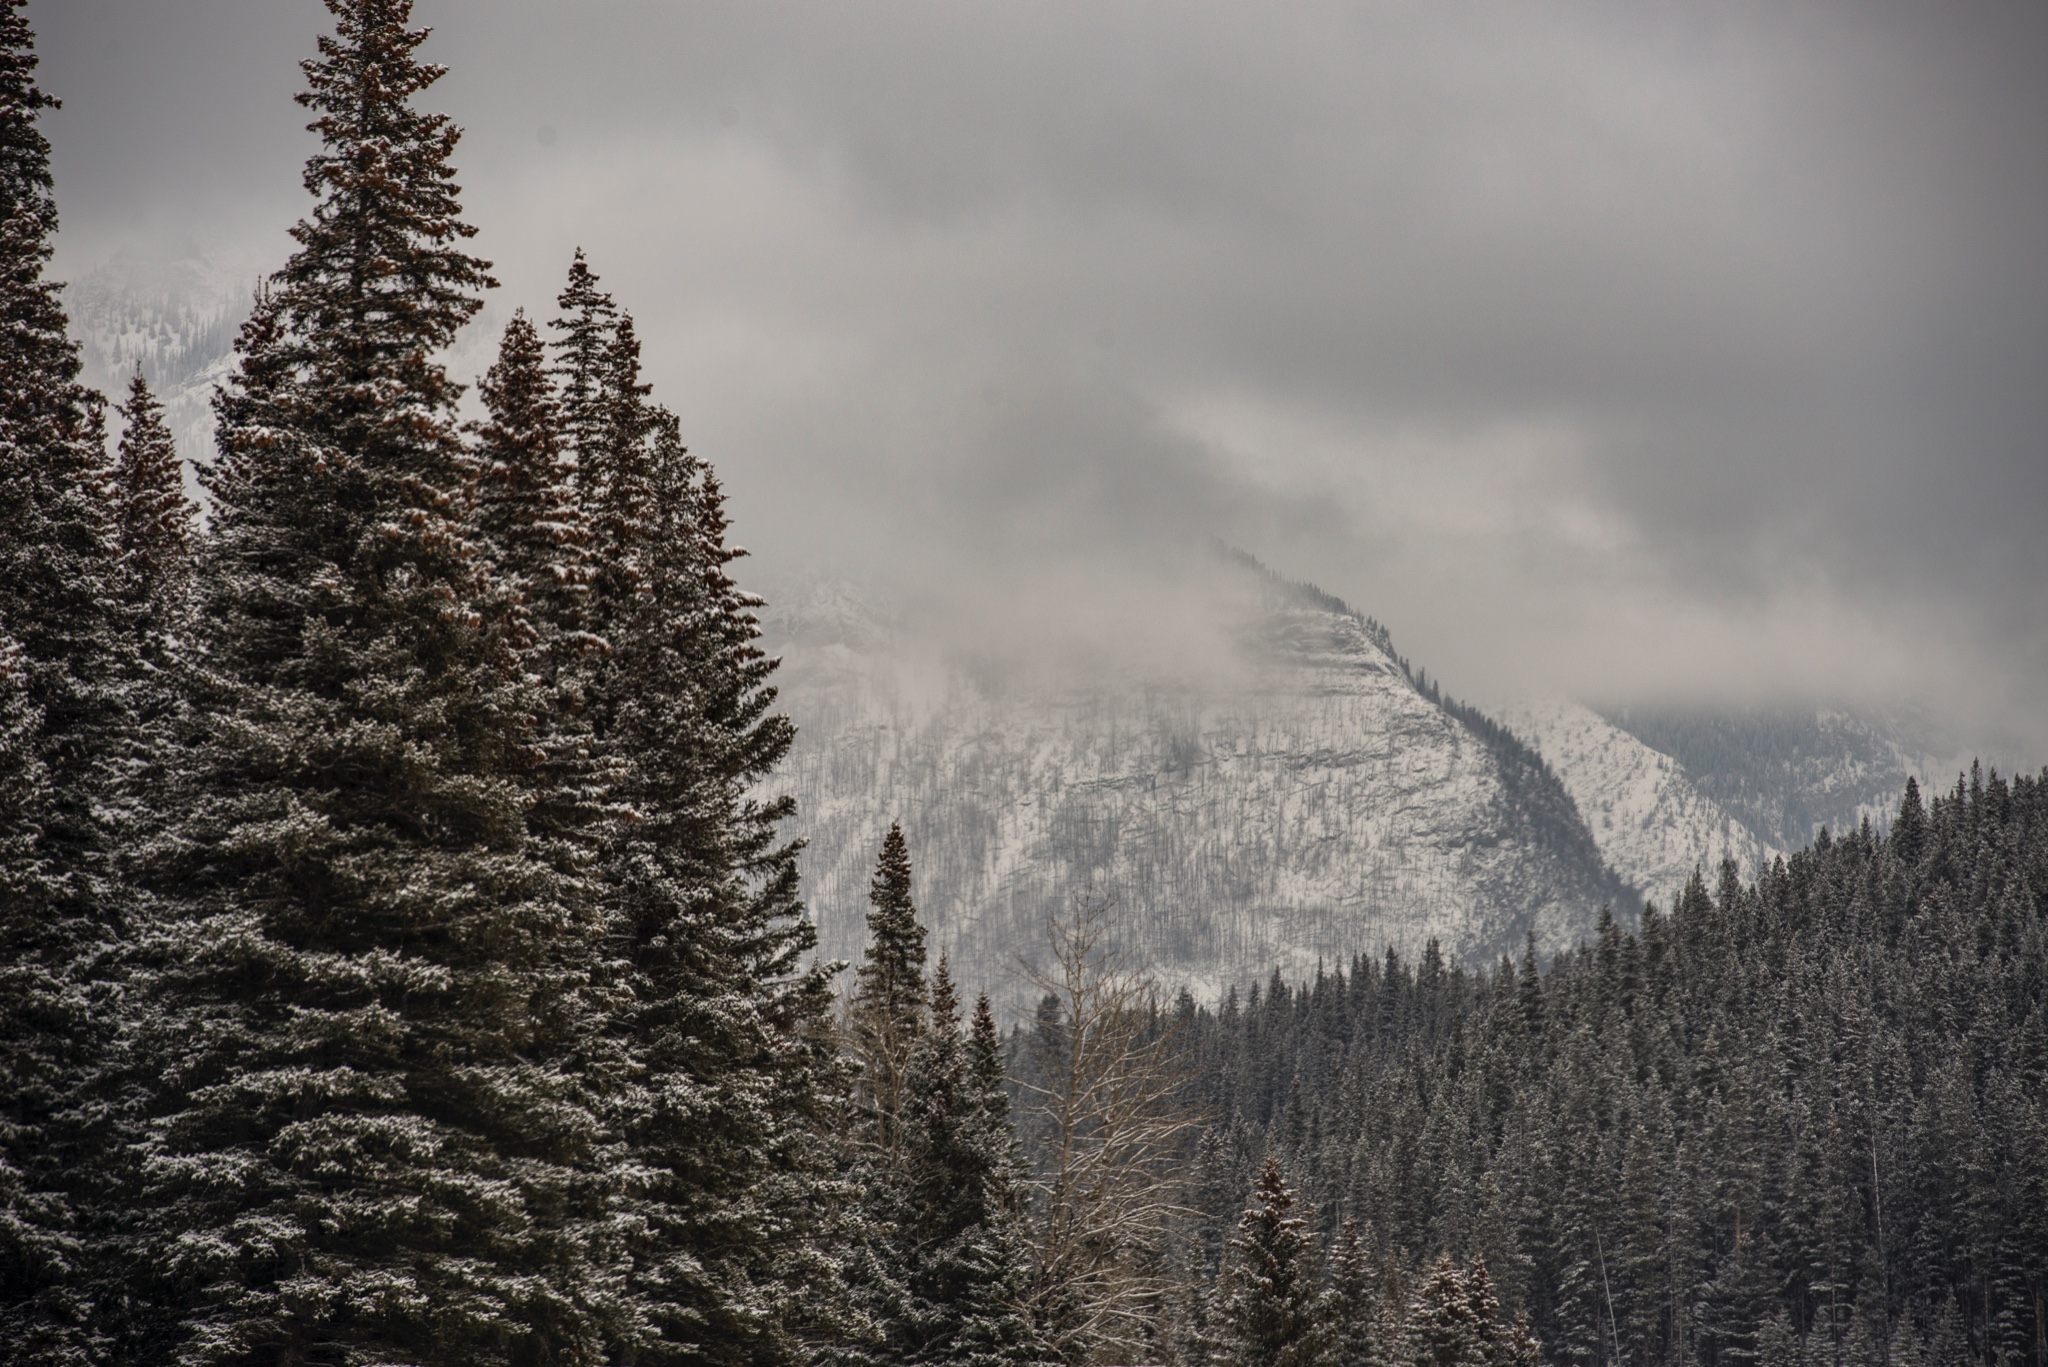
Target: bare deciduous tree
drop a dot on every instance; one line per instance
(1115, 1136)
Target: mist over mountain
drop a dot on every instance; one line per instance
(1787, 771)
(1241, 763)
(1315, 799)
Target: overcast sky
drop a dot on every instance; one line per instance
(1628, 350)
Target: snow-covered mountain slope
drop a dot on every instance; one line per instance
(1652, 824)
(1787, 771)
(1317, 804)
(174, 319)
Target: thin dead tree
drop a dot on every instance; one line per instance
(1109, 1086)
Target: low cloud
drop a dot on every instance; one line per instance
(1688, 352)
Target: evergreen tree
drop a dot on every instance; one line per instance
(66, 708)
(886, 1016)
(1357, 1340)
(728, 1109)
(1909, 832)
(528, 519)
(1443, 1329)
(586, 328)
(955, 1243)
(1520, 1348)
(153, 517)
(1268, 1312)
(42, 1316)
(371, 1142)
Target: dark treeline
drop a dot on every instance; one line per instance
(1800, 1121)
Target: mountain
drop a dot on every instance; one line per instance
(175, 318)
(1318, 800)
(1652, 821)
(1786, 771)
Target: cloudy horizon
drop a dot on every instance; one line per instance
(1693, 352)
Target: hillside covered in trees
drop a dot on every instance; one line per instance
(400, 964)
(1801, 1120)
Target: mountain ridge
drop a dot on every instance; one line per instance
(1327, 801)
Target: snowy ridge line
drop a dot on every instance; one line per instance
(1324, 806)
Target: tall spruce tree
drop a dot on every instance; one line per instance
(527, 517)
(1444, 1328)
(886, 1015)
(43, 1317)
(585, 329)
(1269, 1312)
(956, 1246)
(153, 516)
(1356, 1340)
(728, 1099)
(72, 675)
(370, 1142)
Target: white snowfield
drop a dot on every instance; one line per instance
(1317, 807)
(1651, 823)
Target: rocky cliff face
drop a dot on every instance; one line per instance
(1318, 803)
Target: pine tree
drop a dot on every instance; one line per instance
(1355, 1302)
(1520, 1348)
(728, 1111)
(41, 1315)
(1268, 1312)
(67, 723)
(886, 1016)
(153, 516)
(586, 329)
(531, 525)
(1443, 1330)
(371, 1140)
(956, 1247)
(1909, 832)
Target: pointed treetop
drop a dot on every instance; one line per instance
(945, 1001)
(380, 271)
(583, 338)
(1270, 1313)
(1442, 1328)
(152, 515)
(39, 362)
(985, 1055)
(25, 182)
(1909, 832)
(894, 966)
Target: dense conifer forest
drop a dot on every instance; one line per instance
(399, 964)
(1804, 1120)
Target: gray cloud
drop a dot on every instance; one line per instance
(1694, 348)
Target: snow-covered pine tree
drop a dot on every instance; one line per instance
(956, 1247)
(585, 331)
(731, 1093)
(1487, 1329)
(528, 518)
(153, 516)
(370, 1141)
(1268, 1310)
(1519, 1347)
(43, 1314)
(1442, 1329)
(886, 1015)
(1356, 1340)
(71, 677)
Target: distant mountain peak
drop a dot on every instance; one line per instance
(1325, 801)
